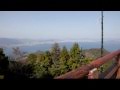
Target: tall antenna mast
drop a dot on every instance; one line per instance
(101, 33)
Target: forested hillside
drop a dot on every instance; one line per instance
(48, 64)
(94, 52)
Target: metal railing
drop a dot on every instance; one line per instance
(84, 71)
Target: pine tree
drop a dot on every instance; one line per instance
(41, 68)
(75, 58)
(48, 59)
(75, 51)
(55, 51)
(64, 57)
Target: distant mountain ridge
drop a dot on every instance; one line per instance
(29, 42)
(11, 42)
(8, 42)
(31, 45)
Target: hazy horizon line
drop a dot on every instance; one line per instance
(56, 38)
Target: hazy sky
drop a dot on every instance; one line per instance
(59, 24)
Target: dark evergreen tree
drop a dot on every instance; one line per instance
(3, 63)
(64, 57)
(74, 61)
(55, 52)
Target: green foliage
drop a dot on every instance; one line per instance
(75, 58)
(19, 69)
(53, 63)
(40, 57)
(62, 67)
(55, 70)
(41, 68)
(75, 51)
(105, 66)
(64, 55)
(3, 62)
(94, 53)
(55, 52)
(32, 58)
(72, 64)
(48, 60)
(55, 55)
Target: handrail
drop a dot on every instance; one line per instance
(84, 70)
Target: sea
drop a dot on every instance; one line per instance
(109, 46)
